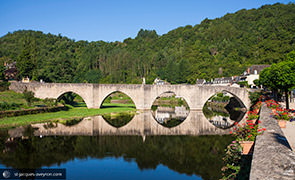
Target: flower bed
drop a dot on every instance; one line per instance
(280, 113)
(244, 133)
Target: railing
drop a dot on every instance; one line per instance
(272, 157)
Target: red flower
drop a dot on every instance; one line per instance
(230, 132)
(259, 121)
(236, 123)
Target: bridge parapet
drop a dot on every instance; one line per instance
(273, 157)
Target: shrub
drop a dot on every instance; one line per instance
(29, 97)
(49, 102)
(4, 85)
(9, 106)
(255, 97)
(243, 84)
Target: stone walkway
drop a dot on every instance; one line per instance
(273, 158)
(289, 131)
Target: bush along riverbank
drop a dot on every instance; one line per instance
(238, 155)
(18, 104)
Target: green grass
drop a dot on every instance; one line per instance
(12, 97)
(108, 105)
(18, 98)
(77, 112)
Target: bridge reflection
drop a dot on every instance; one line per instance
(143, 124)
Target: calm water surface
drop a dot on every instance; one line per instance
(118, 157)
(127, 146)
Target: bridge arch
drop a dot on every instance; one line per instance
(107, 94)
(60, 94)
(240, 94)
(178, 90)
(227, 91)
(159, 93)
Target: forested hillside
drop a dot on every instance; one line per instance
(233, 42)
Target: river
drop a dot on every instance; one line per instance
(138, 146)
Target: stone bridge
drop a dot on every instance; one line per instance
(142, 95)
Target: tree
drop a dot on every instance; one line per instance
(195, 52)
(92, 76)
(257, 82)
(26, 61)
(2, 69)
(279, 76)
(29, 97)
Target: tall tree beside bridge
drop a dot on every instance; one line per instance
(26, 61)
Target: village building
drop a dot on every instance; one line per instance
(251, 74)
(223, 81)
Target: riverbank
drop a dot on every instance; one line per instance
(71, 113)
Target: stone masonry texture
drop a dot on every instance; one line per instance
(272, 158)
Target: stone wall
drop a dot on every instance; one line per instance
(272, 157)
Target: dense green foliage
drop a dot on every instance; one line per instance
(29, 97)
(9, 106)
(232, 42)
(4, 86)
(280, 76)
(255, 97)
(2, 69)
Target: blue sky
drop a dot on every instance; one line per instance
(113, 20)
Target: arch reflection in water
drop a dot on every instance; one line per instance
(170, 110)
(142, 124)
(224, 109)
(118, 119)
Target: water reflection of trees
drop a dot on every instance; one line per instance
(201, 155)
(118, 119)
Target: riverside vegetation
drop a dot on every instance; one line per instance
(237, 166)
(75, 108)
